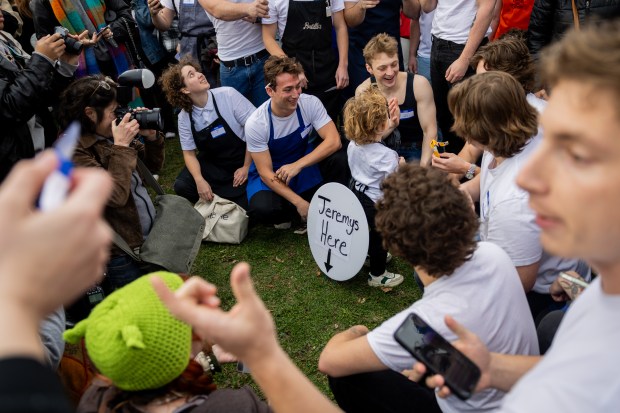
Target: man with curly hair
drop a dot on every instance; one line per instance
(428, 222)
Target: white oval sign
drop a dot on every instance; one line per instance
(337, 231)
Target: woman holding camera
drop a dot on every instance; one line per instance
(110, 19)
(115, 148)
(211, 122)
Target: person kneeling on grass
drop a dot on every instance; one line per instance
(365, 119)
(211, 133)
(427, 221)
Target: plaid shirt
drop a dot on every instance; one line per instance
(170, 38)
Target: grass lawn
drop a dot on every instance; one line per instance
(308, 307)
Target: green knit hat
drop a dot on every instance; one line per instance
(132, 338)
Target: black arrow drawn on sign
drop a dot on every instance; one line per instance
(328, 266)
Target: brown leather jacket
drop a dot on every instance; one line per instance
(120, 161)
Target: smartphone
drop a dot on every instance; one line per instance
(102, 30)
(572, 286)
(438, 355)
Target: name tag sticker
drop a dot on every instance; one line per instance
(217, 132)
(188, 1)
(406, 114)
(306, 131)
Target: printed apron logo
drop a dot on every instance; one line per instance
(314, 26)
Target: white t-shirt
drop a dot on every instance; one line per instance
(426, 22)
(233, 106)
(237, 38)
(579, 373)
(538, 103)
(278, 12)
(453, 20)
(370, 164)
(171, 4)
(485, 295)
(257, 126)
(507, 220)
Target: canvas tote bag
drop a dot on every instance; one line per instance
(225, 221)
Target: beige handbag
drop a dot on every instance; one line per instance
(225, 221)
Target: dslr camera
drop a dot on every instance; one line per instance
(142, 79)
(72, 46)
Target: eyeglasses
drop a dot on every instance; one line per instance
(106, 84)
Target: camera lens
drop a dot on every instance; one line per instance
(149, 119)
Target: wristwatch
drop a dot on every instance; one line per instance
(471, 171)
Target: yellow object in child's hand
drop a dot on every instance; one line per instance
(434, 144)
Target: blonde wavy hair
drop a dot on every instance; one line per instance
(365, 116)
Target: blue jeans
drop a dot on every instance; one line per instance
(120, 271)
(248, 80)
(411, 153)
(424, 67)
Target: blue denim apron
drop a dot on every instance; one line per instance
(284, 151)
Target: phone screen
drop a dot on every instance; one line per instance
(439, 356)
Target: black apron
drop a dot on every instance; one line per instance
(220, 152)
(308, 38)
(409, 125)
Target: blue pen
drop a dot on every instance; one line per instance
(56, 186)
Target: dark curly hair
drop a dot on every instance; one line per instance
(426, 220)
(96, 92)
(171, 82)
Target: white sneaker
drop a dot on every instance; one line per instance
(387, 259)
(388, 279)
(284, 225)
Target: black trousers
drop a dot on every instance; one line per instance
(382, 392)
(270, 208)
(443, 54)
(185, 185)
(376, 252)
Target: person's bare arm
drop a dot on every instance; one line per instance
(497, 11)
(458, 164)
(349, 353)
(264, 166)
(528, 274)
(355, 12)
(482, 21)
(342, 40)
(414, 44)
(241, 175)
(411, 8)
(193, 166)
(229, 11)
(427, 115)
(269, 38)
(472, 188)
(428, 5)
(331, 143)
(161, 16)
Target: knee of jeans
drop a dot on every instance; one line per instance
(122, 270)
